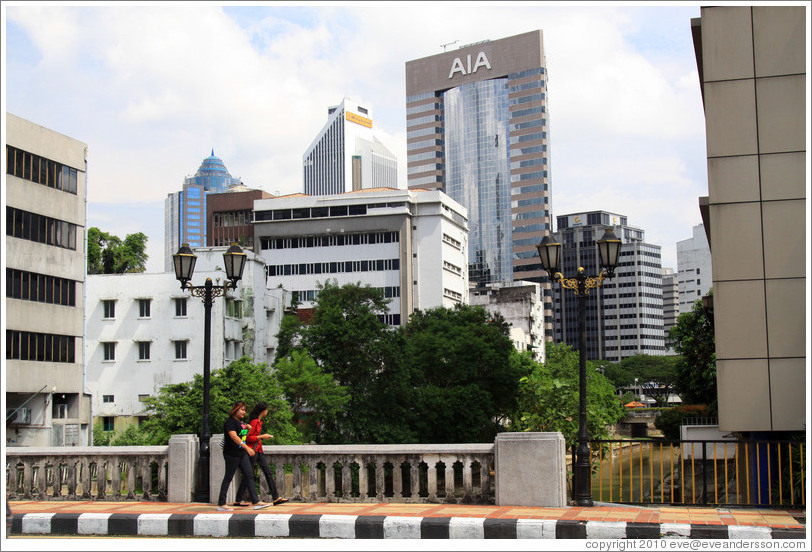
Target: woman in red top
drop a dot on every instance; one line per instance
(254, 440)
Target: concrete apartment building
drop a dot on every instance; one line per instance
(477, 129)
(695, 271)
(144, 332)
(412, 244)
(520, 303)
(628, 308)
(346, 155)
(752, 66)
(46, 402)
(229, 216)
(670, 299)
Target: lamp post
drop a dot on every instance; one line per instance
(184, 261)
(550, 254)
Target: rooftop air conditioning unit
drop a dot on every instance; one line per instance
(18, 416)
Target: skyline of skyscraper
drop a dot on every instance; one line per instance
(477, 129)
(625, 314)
(185, 211)
(346, 156)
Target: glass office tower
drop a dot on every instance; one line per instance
(476, 121)
(185, 211)
(477, 129)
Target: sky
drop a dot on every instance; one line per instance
(153, 87)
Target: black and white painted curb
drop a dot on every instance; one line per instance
(372, 527)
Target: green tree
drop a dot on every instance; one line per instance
(695, 372)
(349, 340)
(465, 379)
(313, 394)
(655, 374)
(177, 408)
(549, 397)
(108, 254)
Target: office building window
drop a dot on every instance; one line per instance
(109, 306)
(108, 423)
(180, 307)
(40, 346)
(143, 308)
(109, 350)
(180, 350)
(30, 286)
(40, 170)
(143, 350)
(108, 398)
(39, 228)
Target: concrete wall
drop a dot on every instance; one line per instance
(753, 62)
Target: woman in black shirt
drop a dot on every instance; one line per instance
(236, 455)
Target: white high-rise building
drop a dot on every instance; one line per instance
(411, 244)
(694, 268)
(346, 156)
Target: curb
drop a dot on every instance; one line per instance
(373, 527)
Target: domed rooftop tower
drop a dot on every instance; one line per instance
(185, 211)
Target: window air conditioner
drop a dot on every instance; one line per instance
(20, 416)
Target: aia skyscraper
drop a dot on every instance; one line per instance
(476, 121)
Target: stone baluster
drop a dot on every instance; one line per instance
(415, 479)
(363, 478)
(72, 479)
(329, 478)
(397, 478)
(146, 478)
(467, 480)
(57, 480)
(297, 478)
(41, 481)
(84, 463)
(313, 476)
(485, 479)
(380, 478)
(101, 479)
(431, 462)
(27, 479)
(449, 479)
(163, 469)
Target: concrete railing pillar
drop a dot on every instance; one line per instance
(183, 451)
(530, 469)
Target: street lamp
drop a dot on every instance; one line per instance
(184, 261)
(550, 255)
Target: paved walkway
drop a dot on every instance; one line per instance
(398, 520)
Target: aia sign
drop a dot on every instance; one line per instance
(464, 69)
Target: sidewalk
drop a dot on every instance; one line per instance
(399, 520)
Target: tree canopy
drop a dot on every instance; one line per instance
(177, 408)
(549, 396)
(109, 254)
(692, 338)
(446, 376)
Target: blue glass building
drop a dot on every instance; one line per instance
(185, 211)
(476, 121)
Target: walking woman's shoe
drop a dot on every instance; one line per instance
(280, 500)
(261, 505)
(242, 503)
(224, 509)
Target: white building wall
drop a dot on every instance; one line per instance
(521, 305)
(695, 275)
(425, 222)
(127, 378)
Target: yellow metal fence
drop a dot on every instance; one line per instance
(656, 471)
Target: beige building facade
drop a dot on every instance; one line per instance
(752, 66)
(46, 403)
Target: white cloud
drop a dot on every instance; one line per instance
(152, 89)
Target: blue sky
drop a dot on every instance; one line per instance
(153, 87)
